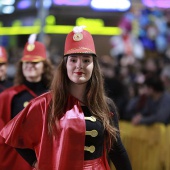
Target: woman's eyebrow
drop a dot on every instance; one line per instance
(87, 56)
(72, 56)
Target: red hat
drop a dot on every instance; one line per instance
(79, 41)
(34, 51)
(3, 55)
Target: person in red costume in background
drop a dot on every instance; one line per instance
(4, 81)
(33, 78)
(74, 125)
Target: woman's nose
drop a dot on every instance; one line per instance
(79, 64)
(29, 64)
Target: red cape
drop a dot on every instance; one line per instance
(29, 129)
(9, 158)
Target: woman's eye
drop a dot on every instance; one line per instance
(86, 61)
(73, 60)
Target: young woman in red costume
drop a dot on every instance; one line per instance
(75, 125)
(33, 78)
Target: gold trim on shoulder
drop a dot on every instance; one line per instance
(25, 103)
(91, 118)
(91, 148)
(30, 47)
(92, 133)
(78, 36)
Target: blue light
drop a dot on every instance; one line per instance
(24, 4)
(120, 5)
(9, 2)
(46, 4)
(8, 9)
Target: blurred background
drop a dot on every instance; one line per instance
(117, 26)
(146, 20)
(132, 40)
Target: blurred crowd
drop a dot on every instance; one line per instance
(136, 70)
(141, 91)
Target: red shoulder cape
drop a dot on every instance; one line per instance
(65, 150)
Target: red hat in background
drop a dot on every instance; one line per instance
(79, 41)
(34, 51)
(3, 55)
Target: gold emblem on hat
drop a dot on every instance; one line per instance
(78, 36)
(30, 47)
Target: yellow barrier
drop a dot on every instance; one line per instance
(167, 149)
(145, 145)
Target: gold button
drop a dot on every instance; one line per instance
(91, 149)
(91, 118)
(92, 133)
(25, 103)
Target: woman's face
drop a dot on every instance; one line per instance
(79, 68)
(33, 71)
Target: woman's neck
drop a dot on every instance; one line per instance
(78, 91)
(34, 79)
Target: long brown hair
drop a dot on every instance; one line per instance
(46, 76)
(96, 99)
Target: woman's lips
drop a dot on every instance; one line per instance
(79, 73)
